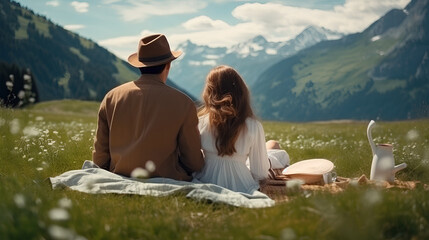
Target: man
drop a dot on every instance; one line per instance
(148, 121)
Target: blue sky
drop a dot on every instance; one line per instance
(118, 24)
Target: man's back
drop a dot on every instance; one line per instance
(148, 121)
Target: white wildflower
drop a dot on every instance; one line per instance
(21, 94)
(294, 183)
(77, 137)
(9, 85)
(39, 118)
(139, 173)
(412, 135)
(90, 184)
(150, 166)
(58, 232)
(372, 196)
(107, 228)
(65, 202)
(27, 77)
(384, 166)
(59, 214)
(288, 234)
(14, 126)
(19, 200)
(31, 131)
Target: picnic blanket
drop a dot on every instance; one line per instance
(281, 187)
(95, 180)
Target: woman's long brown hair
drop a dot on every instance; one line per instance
(227, 102)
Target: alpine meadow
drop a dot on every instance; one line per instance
(49, 138)
(316, 96)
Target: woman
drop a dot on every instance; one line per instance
(232, 140)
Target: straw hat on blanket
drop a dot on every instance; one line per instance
(310, 171)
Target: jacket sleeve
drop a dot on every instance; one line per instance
(101, 153)
(258, 157)
(189, 141)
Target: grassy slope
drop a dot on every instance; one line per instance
(65, 131)
(344, 69)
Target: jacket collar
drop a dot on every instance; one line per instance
(150, 79)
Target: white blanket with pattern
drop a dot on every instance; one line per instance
(95, 180)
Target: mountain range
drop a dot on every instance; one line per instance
(380, 73)
(250, 58)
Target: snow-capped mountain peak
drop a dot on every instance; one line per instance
(250, 57)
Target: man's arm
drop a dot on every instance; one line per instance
(189, 143)
(101, 152)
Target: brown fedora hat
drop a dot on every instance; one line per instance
(153, 50)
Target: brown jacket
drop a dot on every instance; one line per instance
(148, 120)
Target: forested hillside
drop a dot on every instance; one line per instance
(64, 64)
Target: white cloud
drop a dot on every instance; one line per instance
(203, 63)
(138, 11)
(121, 46)
(278, 22)
(216, 37)
(204, 23)
(271, 51)
(110, 1)
(274, 21)
(119, 41)
(53, 3)
(81, 7)
(72, 27)
(281, 22)
(125, 45)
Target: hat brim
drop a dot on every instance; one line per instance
(310, 171)
(311, 166)
(133, 59)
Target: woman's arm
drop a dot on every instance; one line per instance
(258, 158)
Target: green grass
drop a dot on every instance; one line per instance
(53, 137)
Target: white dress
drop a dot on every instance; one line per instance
(232, 172)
